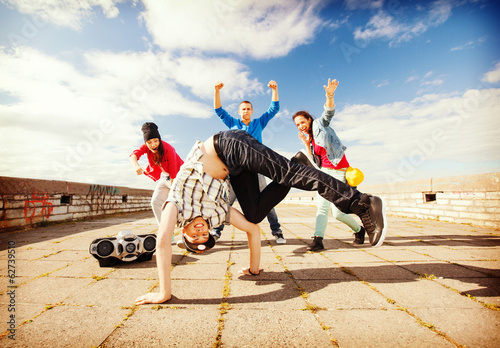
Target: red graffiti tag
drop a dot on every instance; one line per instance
(37, 206)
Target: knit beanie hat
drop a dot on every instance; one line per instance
(150, 131)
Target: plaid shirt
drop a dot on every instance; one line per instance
(195, 193)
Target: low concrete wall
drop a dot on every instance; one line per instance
(28, 202)
(471, 199)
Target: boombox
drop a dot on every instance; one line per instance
(126, 246)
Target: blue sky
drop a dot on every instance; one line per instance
(419, 92)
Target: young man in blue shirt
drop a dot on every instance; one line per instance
(253, 127)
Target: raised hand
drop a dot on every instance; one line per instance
(218, 85)
(331, 87)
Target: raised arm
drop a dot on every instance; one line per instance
(238, 220)
(218, 86)
(163, 257)
(274, 86)
(330, 93)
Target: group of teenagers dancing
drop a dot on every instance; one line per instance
(196, 195)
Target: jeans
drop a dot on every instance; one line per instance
(245, 157)
(160, 195)
(324, 207)
(272, 217)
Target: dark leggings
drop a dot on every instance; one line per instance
(245, 157)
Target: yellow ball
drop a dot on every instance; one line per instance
(354, 176)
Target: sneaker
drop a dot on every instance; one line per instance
(180, 244)
(316, 245)
(371, 211)
(216, 236)
(173, 240)
(359, 237)
(279, 238)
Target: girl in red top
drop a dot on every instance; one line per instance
(163, 165)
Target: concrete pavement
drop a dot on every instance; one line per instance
(432, 284)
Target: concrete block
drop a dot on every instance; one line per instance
(411, 210)
(473, 195)
(476, 209)
(438, 212)
(458, 208)
(442, 201)
(57, 210)
(493, 195)
(489, 203)
(78, 208)
(14, 204)
(448, 195)
(11, 214)
(448, 213)
(495, 210)
(461, 202)
(475, 216)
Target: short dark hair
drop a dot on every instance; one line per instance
(246, 102)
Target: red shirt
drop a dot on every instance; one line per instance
(325, 162)
(170, 164)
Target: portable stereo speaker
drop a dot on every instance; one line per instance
(126, 246)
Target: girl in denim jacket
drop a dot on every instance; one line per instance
(325, 148)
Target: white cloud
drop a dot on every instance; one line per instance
(383, 83)
(258, 29)
(68, 13)
(404, 140)
(381, 25)
(363, 4)
(464, 46)
(412, 78)
(493, 76)
(386, 26)
(80, 118)
(468, 45)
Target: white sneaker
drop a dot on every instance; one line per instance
(279, 238)
(180, 244)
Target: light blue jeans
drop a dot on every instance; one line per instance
(324, 207)
(160, 195)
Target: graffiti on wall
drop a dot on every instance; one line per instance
(37, 206)
(99, 197)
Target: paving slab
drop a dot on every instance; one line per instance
(272, 328)
(380, 328)
(470, 327)
(432, 284)
(68, 326)
(167, 327)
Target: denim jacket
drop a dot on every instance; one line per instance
(326, 137)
